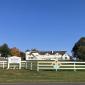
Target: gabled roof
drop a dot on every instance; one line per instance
(60, 52)
(49, 52)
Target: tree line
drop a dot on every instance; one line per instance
(78, 50)
(5, 51)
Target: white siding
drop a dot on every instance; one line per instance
(46, 56)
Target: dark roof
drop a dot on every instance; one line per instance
(60, 52)
(49, 52)
(44, 52)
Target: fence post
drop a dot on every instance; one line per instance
(20, 65)
(31, 66)
(74, 66)
(8, 65)
(26, 65)
(3, 64)
(56, 64)
(37, 66)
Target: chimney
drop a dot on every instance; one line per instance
(52, 51)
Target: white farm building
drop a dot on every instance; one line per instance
(47, 55)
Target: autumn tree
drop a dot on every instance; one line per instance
(15, 51)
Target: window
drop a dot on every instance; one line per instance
(65, 58)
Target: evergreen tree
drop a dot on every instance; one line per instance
(4, 50)
(79, 49)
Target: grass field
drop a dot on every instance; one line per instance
(12, 76)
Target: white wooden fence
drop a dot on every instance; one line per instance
(44, 65)
(3, 64)
(72, 65)
(24, 64)
(50, 65)
(58, 65)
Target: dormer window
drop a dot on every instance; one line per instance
(47, 54)
(57, 54)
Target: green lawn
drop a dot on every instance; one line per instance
(12, 76)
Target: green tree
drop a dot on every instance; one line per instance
(4, 50)
(78, 50)
(22, 55)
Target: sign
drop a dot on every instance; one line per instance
(14, 59)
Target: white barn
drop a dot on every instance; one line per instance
(47, 55)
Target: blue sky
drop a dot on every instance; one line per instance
(42, 24)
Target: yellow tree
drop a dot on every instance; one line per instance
(15, 51)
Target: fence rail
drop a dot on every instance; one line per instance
(49, 65)
(3, 64)
(60, 65)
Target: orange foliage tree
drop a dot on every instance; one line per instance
(15, 51)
